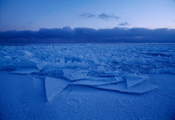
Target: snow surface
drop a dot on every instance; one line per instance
(87, 81)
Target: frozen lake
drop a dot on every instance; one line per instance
(88, 81)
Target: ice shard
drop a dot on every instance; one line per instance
(92, 82)
(133, 80)
(25, 71)
(54, 86)
(122, 87)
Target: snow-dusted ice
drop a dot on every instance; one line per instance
(54, 86)
(93, 82)
(25, 71)
(137, 89)
(72, 74)
(133, 80)
(87, 81)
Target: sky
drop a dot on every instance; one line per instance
(97, 14)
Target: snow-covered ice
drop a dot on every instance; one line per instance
(25, 71)
(133, 80)
(87, 81)
(54, 86)
(92, 82)
(72, 74)
(137, 89)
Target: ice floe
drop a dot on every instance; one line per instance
(137, 84)
(25, 71)
(133, 79)
(54, 86)
(75, 74)
(23, 62)
(108, 74)
(41, 66)
(7, 57)
(92, 82)
(122, 87)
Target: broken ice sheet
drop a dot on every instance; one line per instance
(112, 73)
(41, 66)
(106, 79)
(122, 87)
(133, 79)
(23, 62)
(75, 74)
(25, 71)
(28, 54)
(7, 57)
(142, 88)
(54, 86)
(92, 82)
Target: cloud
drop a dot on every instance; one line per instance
(106, 16)
(89, 35)
(123, 24)
(102, 16)
(87, 15)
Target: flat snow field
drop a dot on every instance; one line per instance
(87, 82)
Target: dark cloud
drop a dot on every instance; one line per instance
(87, 15)
(89, 35)
(100, 16)
(124, 24)
(106, 16)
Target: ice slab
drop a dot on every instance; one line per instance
(165, 54)
(7, 57)
(54, 86)
(132, 80)
(92, 82)
(142, 88)
(119, 79)
(75, 74)
(23, 62)
(28, 54)
(114, 73)
(25, 71)
(105, 79)
(122, 87)
(41, 66)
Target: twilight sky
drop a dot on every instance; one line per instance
(97, 14)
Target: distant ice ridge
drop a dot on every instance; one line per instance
(98, 58)
(95, 65)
